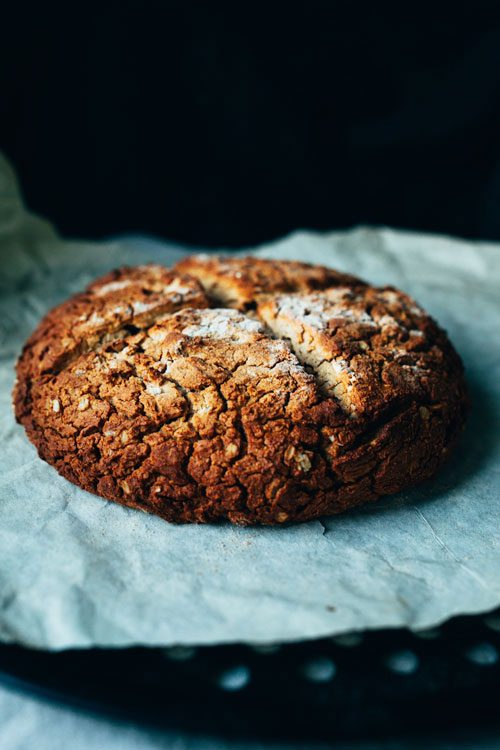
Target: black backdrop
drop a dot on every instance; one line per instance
(233, 124)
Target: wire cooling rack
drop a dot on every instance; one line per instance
(377, 683)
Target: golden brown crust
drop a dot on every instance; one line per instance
(139, 391)
(125, 297)
(368, 347)
(239, 282)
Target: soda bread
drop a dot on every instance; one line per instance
(240, 388)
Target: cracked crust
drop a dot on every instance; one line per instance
(391, 370)
(241, 282)
(140, 391)
(123, 298)
(368, 347)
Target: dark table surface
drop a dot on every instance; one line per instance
(377, 685)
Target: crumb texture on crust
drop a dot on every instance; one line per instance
(123, 298)
(368, 347)
(240, 282)
(153, 389)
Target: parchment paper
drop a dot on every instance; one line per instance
(77, 571)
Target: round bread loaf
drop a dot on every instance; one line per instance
(239, 388)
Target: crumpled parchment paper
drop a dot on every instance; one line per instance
(78, 571)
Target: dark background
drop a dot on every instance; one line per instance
(233, 124)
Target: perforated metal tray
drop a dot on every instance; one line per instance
(381, 682)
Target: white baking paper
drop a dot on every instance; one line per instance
(77, 571)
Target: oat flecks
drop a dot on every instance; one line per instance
(240, 282)
(321, 310)
(325, 394)
(363, 344)
(224, 324)
(113, 286)
(126, 297)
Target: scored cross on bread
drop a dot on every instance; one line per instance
(367, 347)
(241, 282)
(319, 392)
